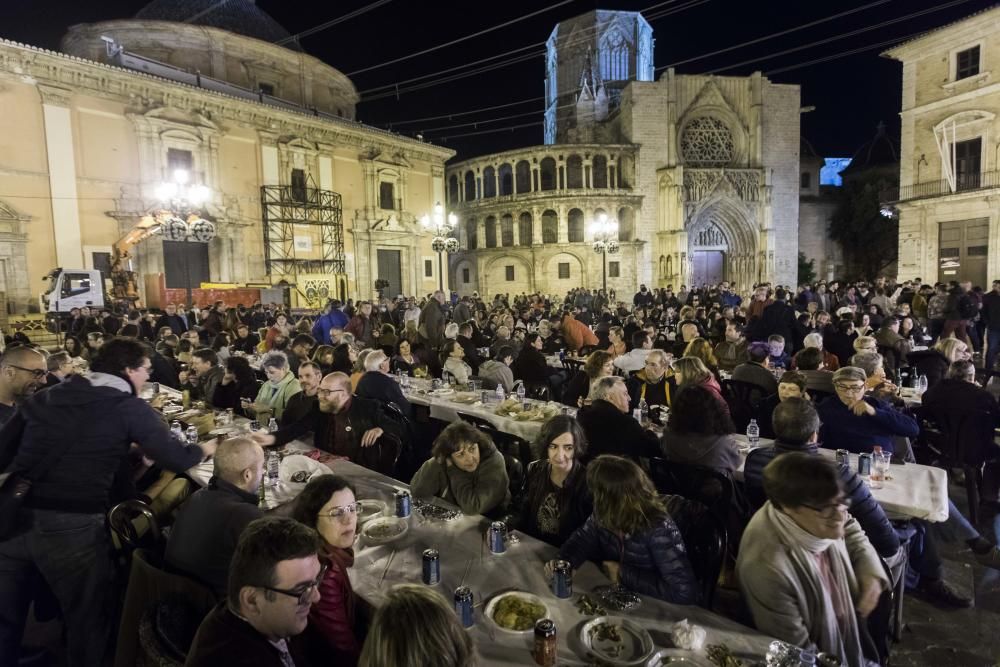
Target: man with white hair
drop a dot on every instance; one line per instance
(815, 339)
(609, 427)
(378, 384)
(209, 523)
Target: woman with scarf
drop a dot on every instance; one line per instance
(807, 571)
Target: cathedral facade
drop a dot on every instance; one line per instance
(700, 172)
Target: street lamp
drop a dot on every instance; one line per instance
(443, 241)
(605, 233)
(180, 218)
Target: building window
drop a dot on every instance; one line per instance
(614, 270)
(179, 159)
(968, 159)
(298, 185)
(465, 276)
(707, 142)
(387, 196)
(510, 273)
(428, 268)
(563, 270)
(967, 63)
(266, 88)
(805, 180)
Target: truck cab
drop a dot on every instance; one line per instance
(73, 288)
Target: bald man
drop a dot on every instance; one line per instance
(22, 372)
(209, 524)
(356, 428)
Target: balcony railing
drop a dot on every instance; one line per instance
(963, 183)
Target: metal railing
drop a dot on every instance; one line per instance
(963, 183)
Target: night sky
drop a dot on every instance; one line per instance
(851, 93)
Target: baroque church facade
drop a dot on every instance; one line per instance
(700, 172)
(301, 193)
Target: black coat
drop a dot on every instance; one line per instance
(929, 363)
(611, 431)
(575, 503)
(225, 639)
(381, 387)
(531, 366)
(778, 318)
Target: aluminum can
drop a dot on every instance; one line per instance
(191, 435)
(544, 651)
(496, 533)
(562, 579)
(463, 606)
(403, 504)
(843, 457)
(864, 465)
(432, 567)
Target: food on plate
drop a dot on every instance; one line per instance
(610, 633)
(385, 531)
(516, 613)
(589, 606)
(720, 655)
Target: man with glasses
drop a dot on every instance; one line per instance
(355, 428)
(857, 422)
(71, 440)
(651, 382)
(209, 524)
(22, 372)
(274, 580)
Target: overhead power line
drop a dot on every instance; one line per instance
(340, 19)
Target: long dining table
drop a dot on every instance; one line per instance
(466, 561)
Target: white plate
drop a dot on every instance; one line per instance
(669, 657)
(637, 643)
(370, 509)
(528, 597)
(297, 469)
(383, 522)
(224, 430)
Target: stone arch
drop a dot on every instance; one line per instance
(453, 189)
(506, 180)
(471, 233)
(599, 172)
(522, 176)
(550, 227)
(577, 272)
(470, 186)
(491, 231)
(525, 228)
(547, 169)
(723, 223)
(575, 226)
(574, 171)
(489, 182)
(495, 275)
(626, 224)
(712, 105)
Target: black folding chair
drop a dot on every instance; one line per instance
(705, 538)
(743, 399)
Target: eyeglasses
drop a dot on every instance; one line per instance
(327, 392)
(851, 388)
(342, 511)
(830, 510)
(304, 594)
(37, 372)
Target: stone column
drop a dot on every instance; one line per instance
(62, 175)
(563, 225)
(588, 179)
(536, 226)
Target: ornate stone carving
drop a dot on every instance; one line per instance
(746, 184)
(699, 184)
(710, 236)
(707, 142)
(55, 95)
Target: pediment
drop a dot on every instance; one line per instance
(711, 97)
(9, 214)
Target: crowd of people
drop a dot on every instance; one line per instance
(817, 366)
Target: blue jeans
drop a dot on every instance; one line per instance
(993, 340)
(956, 529)
(72, 553)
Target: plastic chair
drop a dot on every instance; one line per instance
(706, 540)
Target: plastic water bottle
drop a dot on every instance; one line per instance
(921, 383)
(445, 378)
(500, 393)
(520, 392)
(644, 410)
(272, 425)
(177, 430)
(273, 463)
(753, 433)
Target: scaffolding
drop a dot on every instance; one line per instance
(285, 206)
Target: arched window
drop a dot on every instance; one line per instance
(548, 173)
(453, 189)
(489, 182)
(626, 224)
(491, 232)
(550, 227)
(575, 226)
(599, 172)
(523, 176)
(471, 234)
(470, 186)
(707, 142)
(525, 229)
(574, 172)
(614, 57)
(507, 230)
(506, 180)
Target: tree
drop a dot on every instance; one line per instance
(869, 239)
(807, 269)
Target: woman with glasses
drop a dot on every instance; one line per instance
(328, 505)
(806, 569)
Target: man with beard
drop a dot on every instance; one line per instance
(304, 402)
(22, 372)
(354, 428)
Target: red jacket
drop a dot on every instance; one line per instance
(333, 616)
(577, 334)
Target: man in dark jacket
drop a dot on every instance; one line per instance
(777, 318)
(432, 318)
(610, 428)
(464, 339)
(273, 582)
(757, 370)
(204, 377)
(856, 422)
(171, 319)
(209, 524)
(991, 317)
(22, 372)
(345, 425)
(61, 532)
(796, 423)
(246, 341)
(302, 403)
(531, 366)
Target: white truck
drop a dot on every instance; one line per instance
(73, 288)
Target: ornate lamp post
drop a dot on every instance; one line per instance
(443, 241)
(605, 233)
(180, 218)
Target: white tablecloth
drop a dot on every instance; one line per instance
(914, 491)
